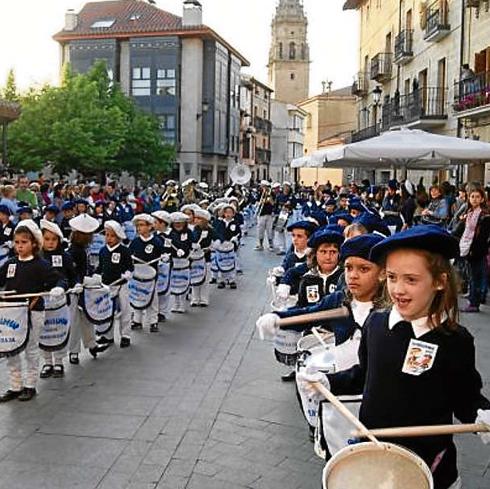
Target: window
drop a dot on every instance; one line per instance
(265, 114)
(103, 24)
(166, 82)
(292, 50)
(280, 50)
(292, 76)
(167, 126)
(303, 51)
(141, 82)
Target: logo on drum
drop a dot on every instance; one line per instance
(9, 323)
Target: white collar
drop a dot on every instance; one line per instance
(420, 326)
(145, 240)
(300, 254)
(29, 258)
(326, 275)
(112, 248)
(360, 311)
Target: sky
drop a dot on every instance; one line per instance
(27, 26)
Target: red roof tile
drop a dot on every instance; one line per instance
(147, 18)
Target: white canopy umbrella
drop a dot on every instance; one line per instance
(302, 162)
(316, 159)
(409, 149)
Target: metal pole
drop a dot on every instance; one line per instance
(4, 145)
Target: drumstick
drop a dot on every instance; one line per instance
(146, 262)
(345, 412)
(340, 312)
(436, 430)
(318, 336)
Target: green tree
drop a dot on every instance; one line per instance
(87, 124)
(10, 92)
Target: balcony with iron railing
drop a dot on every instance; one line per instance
(472, 95)
(262, 125)
(403, 47)
(381, 67)
(425, 107)
(360, 86)
(437, 21)
(366, 133)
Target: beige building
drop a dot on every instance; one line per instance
(409, 57)
(289, 56)
(330, 116)
(255, 126)
(472, 89)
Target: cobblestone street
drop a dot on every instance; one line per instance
(199, 405)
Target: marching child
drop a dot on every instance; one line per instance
(6, 234)
(204, 236)
(181, 239)
(228, 231)
(83, 228)
(68, 210)
(162, 230)
(417, 364)
(116, 264)
(17, 274)
(62, 262)
(146, 248)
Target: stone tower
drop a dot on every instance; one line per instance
(289, 57)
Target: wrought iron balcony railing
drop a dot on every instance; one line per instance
(472, 92)
(381, 66)
(403, 47)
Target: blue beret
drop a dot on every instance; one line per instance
(331, 201)
(393, 184)
(360, 246)
(320, 217)
(5, 210)
(372, 223)
(23, 209)
(100, 202)
(426, 237)
(68, 206)
(340, 215)
(335, 227)
(81, 201)
(51, 208)
(325, 236)
(356, 203)
(308, 226)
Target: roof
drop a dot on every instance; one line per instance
(134, 18)
(9, 111)
(344, 92)
(352, 4)
(250, 80)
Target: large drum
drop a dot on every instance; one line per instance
(285, 346)
(198, 268)
(14, 327)
(55, 332)
(99, 307)
(163, 280)
(142, 286)
(180, 277)
(226, 257)
(369, 466)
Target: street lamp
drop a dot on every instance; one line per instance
(376, 101)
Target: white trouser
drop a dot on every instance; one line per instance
(238, 260)
(164, 303)
(228, 276)
(179, 303)
(31, 353)
(281, 240)
(265, 226)
(200, 293)
(458, 484)
(124, 317)
(149, 315)
(54, 357)
(81, 328)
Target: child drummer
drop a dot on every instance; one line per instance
(397, 389)
(146, 248)
(116, 265)
(17, 274)
(62, 262)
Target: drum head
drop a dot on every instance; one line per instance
(367, 466)
(144, 272)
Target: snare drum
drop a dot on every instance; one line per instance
(285, 346)
(226, 257)
(142, 286)
(369, 466)
(180, 276)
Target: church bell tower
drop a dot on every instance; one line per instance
(289, 56)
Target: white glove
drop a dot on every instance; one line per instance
(195, 246)
(56, 292)
(267, 325)
(484, 418)
(180, 253)
(283, 291)
(127, 275)
(311, 374)
(9, 244)
(77, 289)
(278, 271)
(166, 257)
